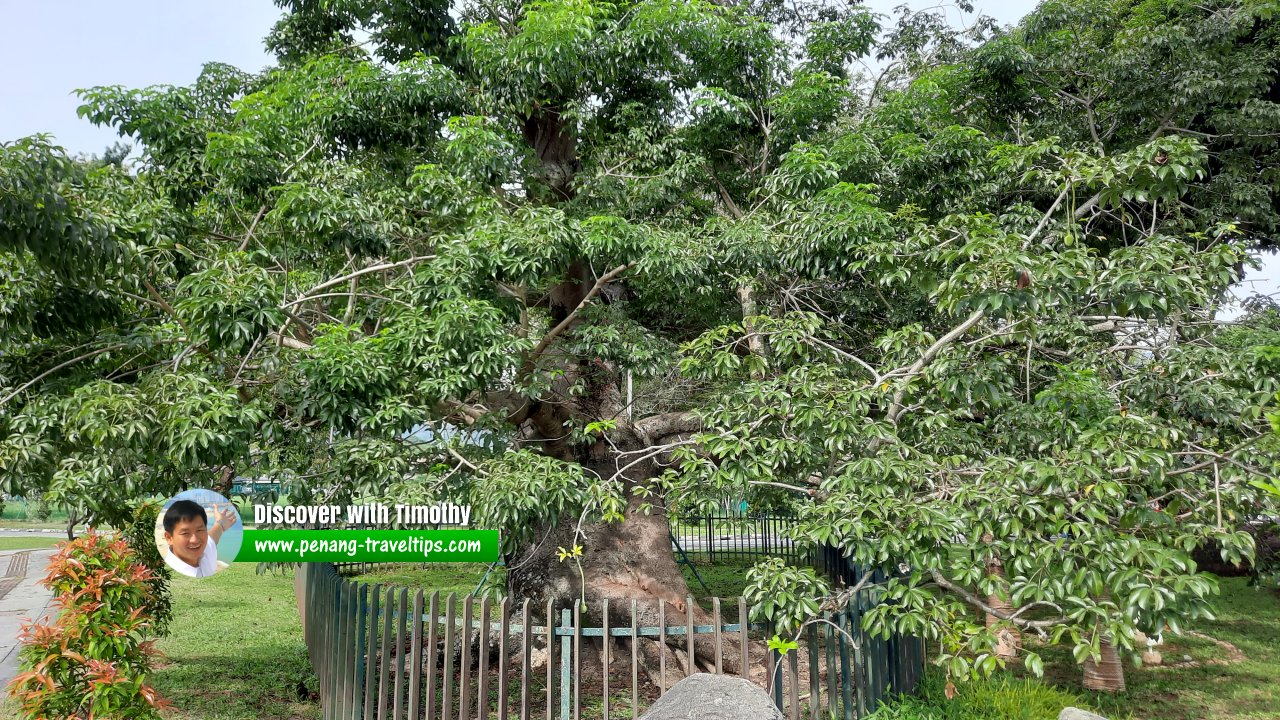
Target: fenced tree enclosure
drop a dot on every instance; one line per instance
(392, 652)
(618, 257)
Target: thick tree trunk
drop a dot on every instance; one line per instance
(1008, 639)
(624, 561)
(620, 561)
(1106, 675)
(554, 139)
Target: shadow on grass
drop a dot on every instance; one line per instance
(274, 681)
(235, 650)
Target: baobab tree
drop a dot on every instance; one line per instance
(654, 253)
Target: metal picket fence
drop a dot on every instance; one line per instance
(742, 535)
(391, 653)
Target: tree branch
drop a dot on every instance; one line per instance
(1045, 220)
(164, 305)
(244, 244)
(289, 342)
(656, 427)
(470, 413)
(896, 408)
(1220, 457)
(94, 353)
(564, 324)
(848, 356)
(1087, 206)
(755, 341)
(793, 488)
(647, 454)
(372, 296)
(976, 601)
(1091, 202)
(728, 201)
(364, 271)
(458, 456)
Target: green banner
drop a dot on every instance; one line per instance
(369, 546)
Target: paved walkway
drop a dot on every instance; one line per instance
(21, 598)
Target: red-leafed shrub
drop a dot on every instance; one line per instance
(91, 661)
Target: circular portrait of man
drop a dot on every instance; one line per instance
(198, 533)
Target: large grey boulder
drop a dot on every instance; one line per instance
(1078, 714)
(713, 697)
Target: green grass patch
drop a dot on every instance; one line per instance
(20, 510)
(235, 651)
(17, 514)
(28, 543)
(1249, 689)
(61, 527)
(724, 578)
(1000, 698)
(1199, 680)
(460, 578)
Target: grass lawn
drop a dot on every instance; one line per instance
(236, 650)
(1215, 688)
(1001, 698)
(35, 541)
(19, 510)
(1249, 619)
(245, 655)
(724, 578)
(460, 578)
(16, 515)
(8, 524)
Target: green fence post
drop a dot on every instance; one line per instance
(850, 676)
(566, 657)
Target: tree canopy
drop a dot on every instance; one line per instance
(949, 294)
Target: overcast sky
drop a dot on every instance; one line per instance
(49, 48)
